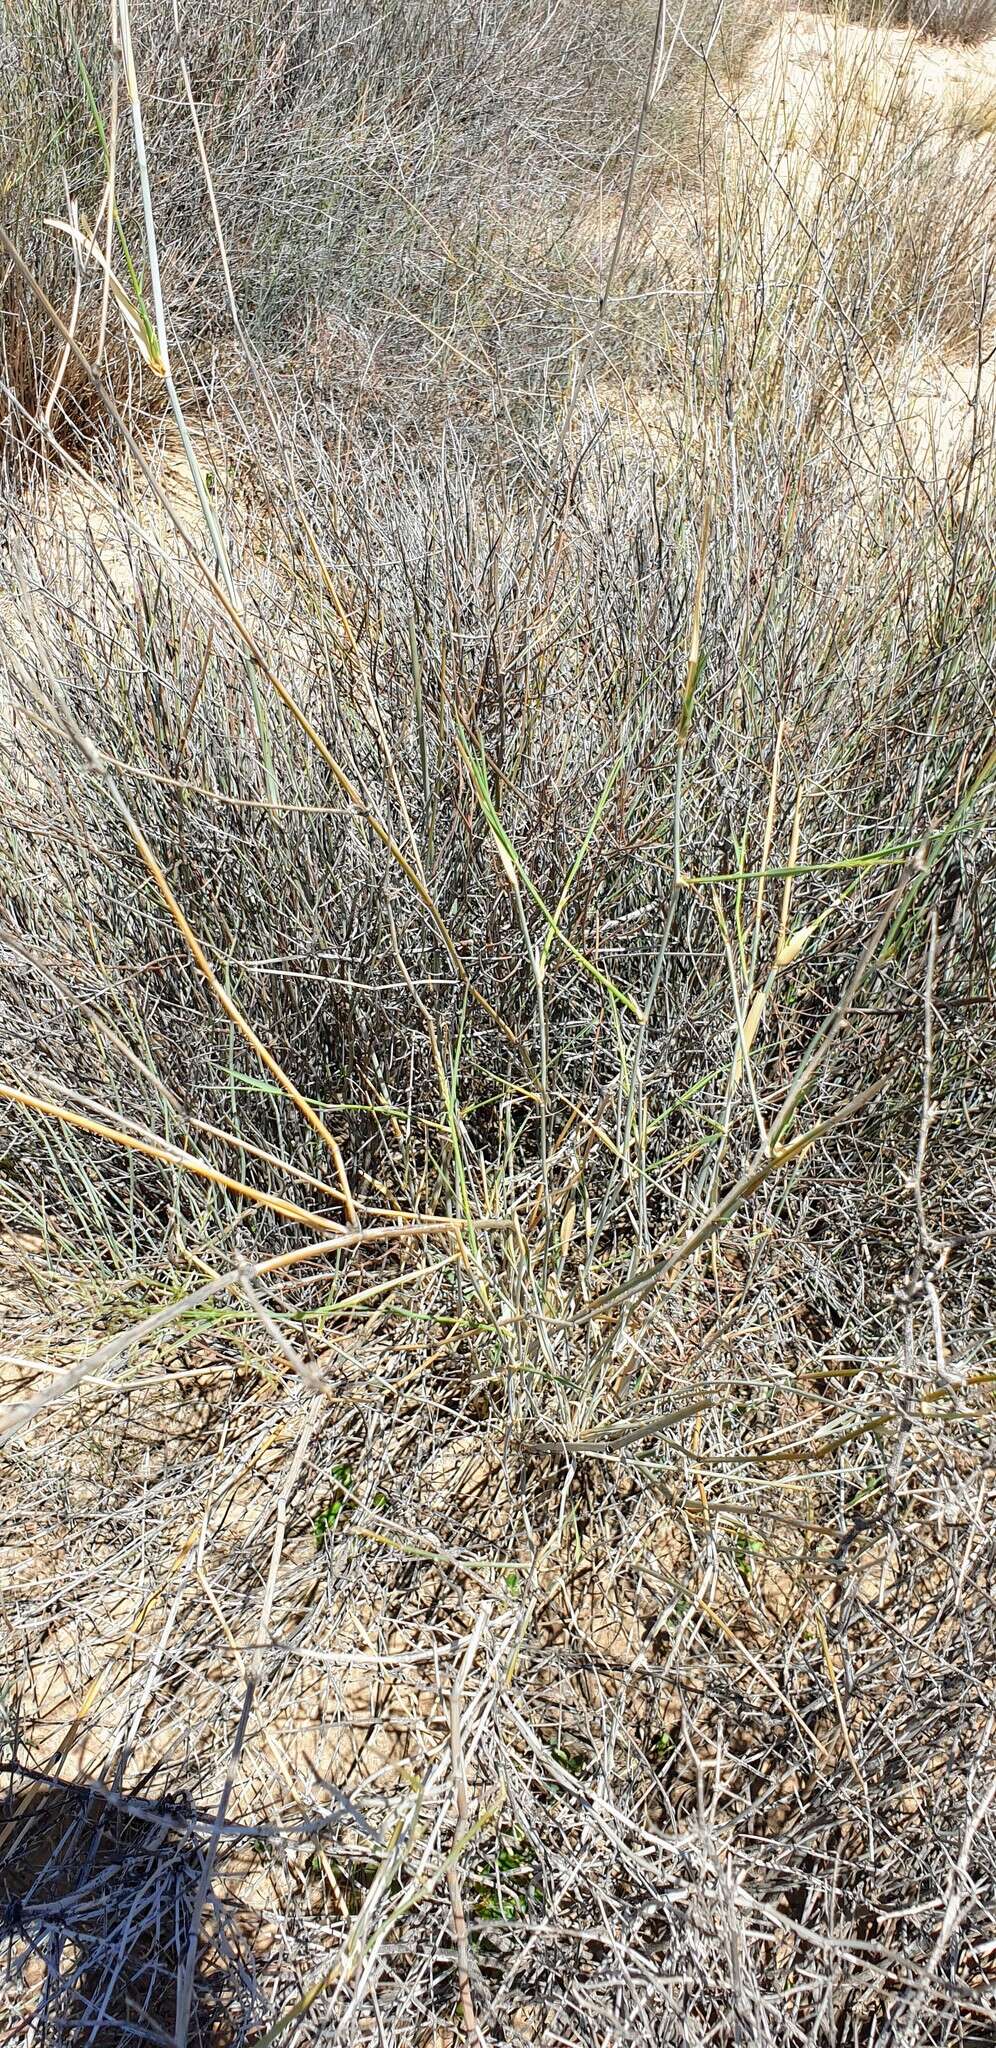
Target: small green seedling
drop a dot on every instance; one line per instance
(343, 1501)
(324, 1524)
(746, 1550)
(569, 1760)
(508, 1891)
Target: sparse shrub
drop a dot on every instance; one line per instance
(410, 214)
(950, 21)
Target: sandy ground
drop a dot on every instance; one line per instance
(820, 103)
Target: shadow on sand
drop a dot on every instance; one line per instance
(98, 1897)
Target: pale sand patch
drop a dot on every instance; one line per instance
(820, 88)
(822, 103)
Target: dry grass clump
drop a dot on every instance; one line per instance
(496, 1009)
(405, 208)
(954, 21)
(699, 1724)
(40, 123)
